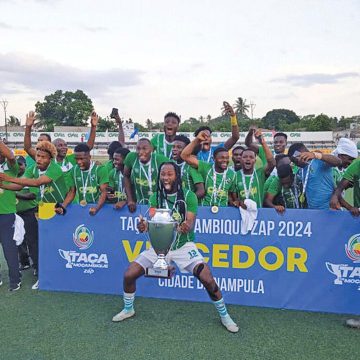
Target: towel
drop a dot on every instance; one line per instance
(346, 147)
(248, 216)
(19, 231)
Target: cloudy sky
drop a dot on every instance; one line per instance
(153, 56)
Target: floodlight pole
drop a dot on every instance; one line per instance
(4, 104)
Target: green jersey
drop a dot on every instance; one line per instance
(172, 203)
(251, 186)
(67, 163)
(87, 182)
(116, 182)
(57, 189)
(189, 176)
(337, 175)
(217, 185)
(352, 173)
(268, 183)
(144, 176)
(24, 205)
(109, 166)
(291, 197)
(7, 197)
(161, 145)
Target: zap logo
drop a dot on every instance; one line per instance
(83, 237)
(352, 248)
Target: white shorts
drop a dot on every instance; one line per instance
(185, 258)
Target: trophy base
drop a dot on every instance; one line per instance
(160, 273)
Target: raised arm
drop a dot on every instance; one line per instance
(121, 135)
(30, 119)
(94, 119)
(7, 154)
(268, 154)
(187, 153)
(249, 140)
(235, 133)
(330, 160)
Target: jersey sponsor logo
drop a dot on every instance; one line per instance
(344, 273)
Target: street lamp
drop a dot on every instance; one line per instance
(4, 104)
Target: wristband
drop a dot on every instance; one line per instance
(233, 120)
(318, 155)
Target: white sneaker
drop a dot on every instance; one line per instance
(354, 323)
(122, 315)
(229, 324)
(35, 286)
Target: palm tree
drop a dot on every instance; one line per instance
(208, 118)
(13, 121)
(149, 124)
(241, 108)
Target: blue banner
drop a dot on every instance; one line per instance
(304, 259)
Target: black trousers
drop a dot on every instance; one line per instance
(9, 247)
(31, 239)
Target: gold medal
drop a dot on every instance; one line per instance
(83, 202)
(302, 198)
(214, 209)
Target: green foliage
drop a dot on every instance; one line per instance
(63, 109)
(107, 124)
(13, 121)
(241, 108)
(320, 123)
(278, 118)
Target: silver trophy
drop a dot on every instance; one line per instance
(162, 233)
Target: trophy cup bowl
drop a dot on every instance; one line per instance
(162, 233)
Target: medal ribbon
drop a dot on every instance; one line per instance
(86, 181)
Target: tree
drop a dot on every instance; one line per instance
(107, 124)
(13, 121)
(149, 124)
(241, 108)
(63, 109)
(320, 123)
(277, 117)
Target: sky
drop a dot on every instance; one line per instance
(150, 57)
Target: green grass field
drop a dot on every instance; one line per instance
(41, 325)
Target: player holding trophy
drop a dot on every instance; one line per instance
(183, 205)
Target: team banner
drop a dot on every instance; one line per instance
(304, 259)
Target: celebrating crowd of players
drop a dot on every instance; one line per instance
(171, 172)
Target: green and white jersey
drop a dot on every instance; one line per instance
(217, 185)
(161, 146)
(337, 175)
(251, 186)
(189, 176)
(291, 197)
(144, 176)
(57, 189)
(87, 182)
(116, 182)
(109, 166)
(24, 205)
(352, 173)
(172, 203)
(7, 197)
(67, 163)
(268, 183)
